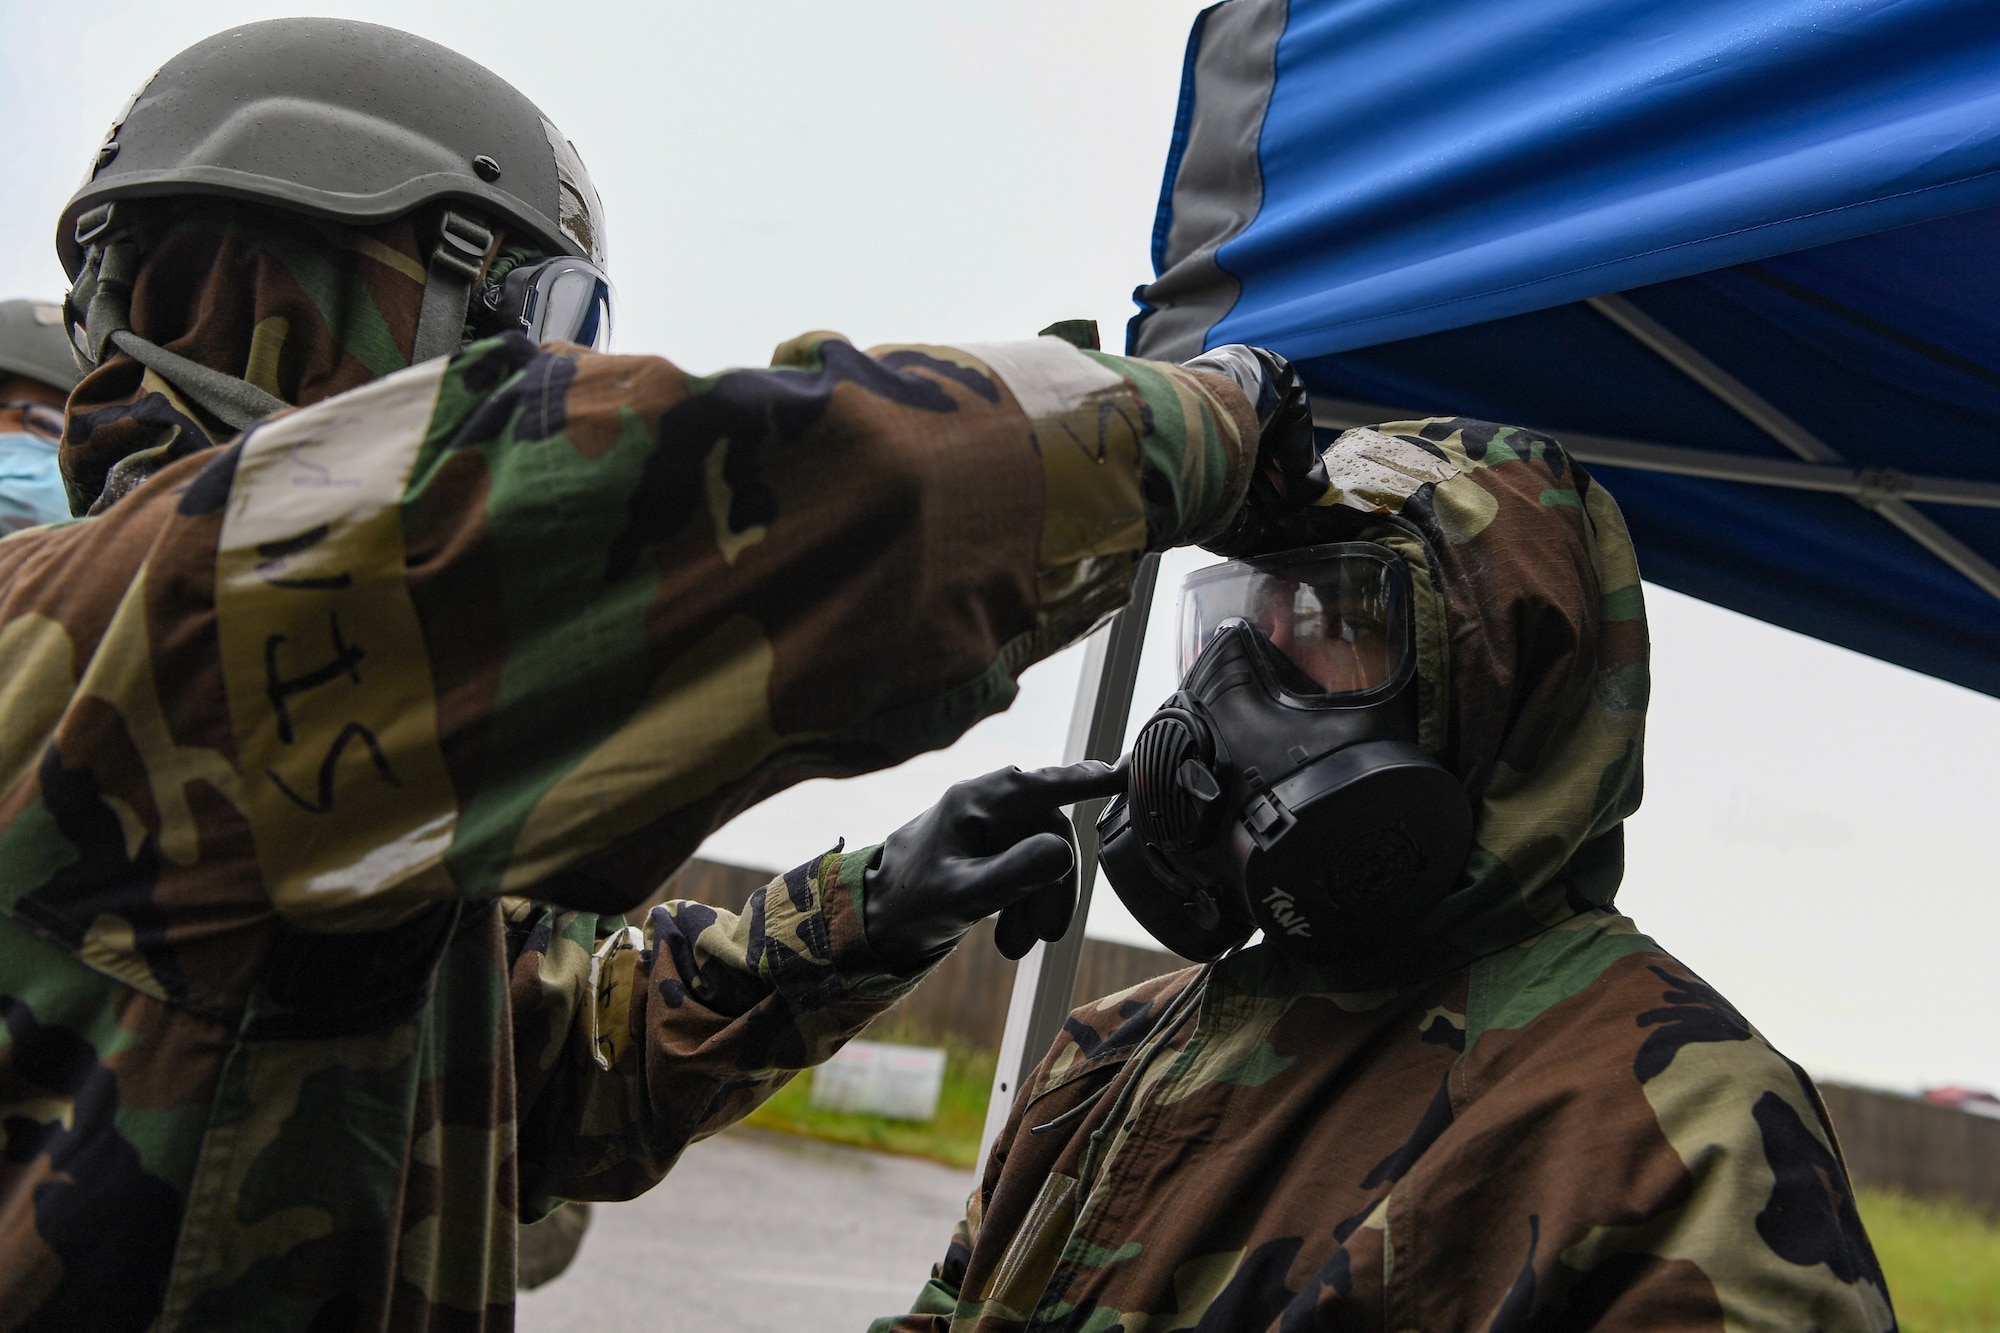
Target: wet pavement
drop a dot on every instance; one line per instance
(756, 1233)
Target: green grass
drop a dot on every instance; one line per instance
(952, 1138)
(1942, 1261)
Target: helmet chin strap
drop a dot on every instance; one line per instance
(103, 290)
(455, 267)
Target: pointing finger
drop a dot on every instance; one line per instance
(1018, 794)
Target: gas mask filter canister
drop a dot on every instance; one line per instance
(1281, 787)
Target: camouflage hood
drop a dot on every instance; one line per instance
(1532, 656)
(300, 308)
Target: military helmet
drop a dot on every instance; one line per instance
(341, 120)
(32, 343)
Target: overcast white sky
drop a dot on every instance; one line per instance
(1815, 838)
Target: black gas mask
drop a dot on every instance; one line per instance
(1282, 785)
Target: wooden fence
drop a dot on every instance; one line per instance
(1890, 1142)
(967, 996)
(1901, 1143)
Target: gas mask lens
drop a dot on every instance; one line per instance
(1334, 616)
(557, 300)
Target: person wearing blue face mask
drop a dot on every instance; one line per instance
(36, 374)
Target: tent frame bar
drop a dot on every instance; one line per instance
(1672, 349)
(1870, 486)
(1884, 491)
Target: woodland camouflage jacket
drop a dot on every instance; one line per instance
(1561, 1127)
(291, 735)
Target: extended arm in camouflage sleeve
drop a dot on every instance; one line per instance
(631, 1042)
(535, 621)
(712, 589)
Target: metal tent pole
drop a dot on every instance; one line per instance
(1046, 977)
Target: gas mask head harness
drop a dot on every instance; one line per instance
(1281, 786)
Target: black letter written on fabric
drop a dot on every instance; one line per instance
(346, 661)
(353, 731)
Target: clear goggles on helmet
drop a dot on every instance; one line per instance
(1336, 617)
(557, 300)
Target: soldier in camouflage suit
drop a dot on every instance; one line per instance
(36, 371)
(329, 751)
(1546, 1122)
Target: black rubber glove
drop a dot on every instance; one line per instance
(997, 843)
(1289, 475)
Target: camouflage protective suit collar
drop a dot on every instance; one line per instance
(1532, 659)
(299, 308)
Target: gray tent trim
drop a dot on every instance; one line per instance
(1218, 184)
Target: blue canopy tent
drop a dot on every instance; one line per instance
(1738, 255)
(1742, 257)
